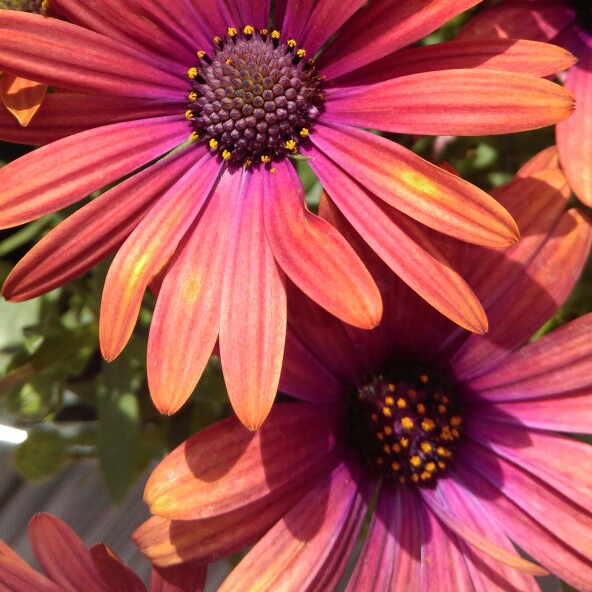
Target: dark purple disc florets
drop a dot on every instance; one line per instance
(255, 99)
(406, 429)
(583, 10)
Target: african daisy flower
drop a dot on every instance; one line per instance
(453, 439)
(70, 567)
(217, 101)
(22, 97)
(567, 23)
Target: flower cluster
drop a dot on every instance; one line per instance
(394, 315)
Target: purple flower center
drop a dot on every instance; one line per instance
(406, 429)
(255, 99)
(583, 10)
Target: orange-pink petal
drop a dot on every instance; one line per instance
(21, 97)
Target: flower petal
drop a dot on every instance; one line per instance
(147, 249)
(564, 464)
(93, 232)
(62, 556)
(543, 285)
(419, 189)
(468, 103)
(316, 257)
(403, 245)
(487, 573)
(63, 55)
(21, 97)
(511, 55)
(65, 114)
(384, 27)
(313, 22)
(479, 542)
(19, 576)
(188, 577)
(302, 549)
(553, 553)
(573, 135)
(61, 173)
(558, 363)
(226, 467)
(253, 309)
(116, 575)
(187, 313)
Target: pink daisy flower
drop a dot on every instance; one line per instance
(567, 23)
(451, 441)
(70, 567)
(216, 101)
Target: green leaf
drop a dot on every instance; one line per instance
(40, 456)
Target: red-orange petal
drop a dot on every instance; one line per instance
(21, 97)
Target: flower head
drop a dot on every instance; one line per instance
(567, 23)
(69, 565)
(450, 441)
(217, 99)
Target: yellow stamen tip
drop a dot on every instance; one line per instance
(301, 53)
(291, 43)
(201, 54)
(265, 159)
(406, 423)
(232, 32)
(389, 401)
(213, 143)
(226, 154)
(192, 73)
(189, 114)
(275, 34)
(248, 30)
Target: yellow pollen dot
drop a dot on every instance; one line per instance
(311, 62)
(424, 378)
(192, 73)
(263, 31)
(275, 34)
(426, 447)
(427, 425)
(441, 408)
(272, 170)
(411, 394)
(406, 423)
(404, 442)
(455, 433)
(201, 54)
(265, 159)
(455, 421)
(431, 467)
(213, 143)
(425, 476)
(380, 436)
(396, 447)
(248, 30)
(401, 403)
(189, 114)
(228, 61)
(192, 96)
(301, 53)
(291, 145)
(379, 461)
(291, 43)
(247, 163)
(441, 451)
(391, 386)
(218, 40)
(386, 411)
(441, 465)
(226, 154)
(388, 430)
(387, 448)
(194, 136)
(445, 400)
(445, 434)
(414, 478)
(389, 401)
(420, 408)
(395, 466)
(232, 32)
(415, 461)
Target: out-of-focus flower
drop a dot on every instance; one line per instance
(453, 439)
(20, 96)
(567, 23)
(228, 205)
(70, 567)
